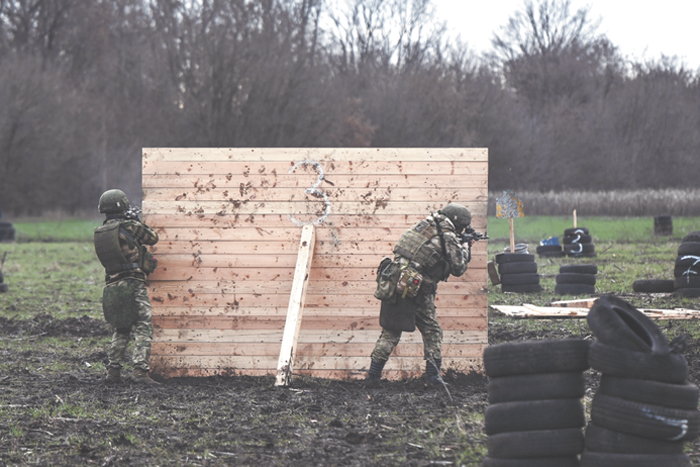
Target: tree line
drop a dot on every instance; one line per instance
(85, 84)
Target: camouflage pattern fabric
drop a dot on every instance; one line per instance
(142, 233)
(426, 320)
(142, 329)
(427, 324)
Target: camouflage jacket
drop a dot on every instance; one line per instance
(142, 233)
(454, 263)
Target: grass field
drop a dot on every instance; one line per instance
(52, 353)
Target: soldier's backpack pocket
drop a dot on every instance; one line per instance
(119, 305)
(388, 275)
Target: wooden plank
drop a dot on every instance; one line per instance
(314, 322)
(296, 307)
(285, 261)
(284, 287)
(231, 336)
(321, 349)
(252, 182)
(579, 303)
(326, 312)
(319, 154)
(442, 194)
(532, 311)
(312, 301)
(335, 221)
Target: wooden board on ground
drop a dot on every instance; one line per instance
(533, 311)
(230, 223)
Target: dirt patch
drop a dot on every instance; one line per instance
(72, 417)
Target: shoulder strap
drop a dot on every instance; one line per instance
(444, 249)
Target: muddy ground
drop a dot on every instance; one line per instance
(56, 409)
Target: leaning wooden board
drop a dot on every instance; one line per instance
(230, 222)
(533, 311)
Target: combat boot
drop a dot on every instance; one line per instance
(374, 375)
(432, 372)
(141, 376)
(113, 376)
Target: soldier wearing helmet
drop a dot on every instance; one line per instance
(120, 246)
(432, 249)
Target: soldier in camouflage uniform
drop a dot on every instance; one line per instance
(432, 247)
(119, 245)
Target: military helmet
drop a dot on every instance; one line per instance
(458, 214)
(113, 201)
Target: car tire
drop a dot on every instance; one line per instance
(669, 368)
(687, 282)
(522, 288)
(680, 396)
(645, 420)
(575, 278)
(517, 268)
(574, 289)
(600, 439)
(514, 258)
(570, 461)
(689, 248)
(541, 356)
(579, 269)
(600, 459)
(578, 238)
(653, 286)
(520, 279)
(544, 443)
(576, 231)
(563, 385)
(616, 322)
(554, 414)
(688, 292)
(579, 249)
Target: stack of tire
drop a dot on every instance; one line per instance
(687, 270)
(518, 272)
(7, 232)
(644, 409)
(3, 286)
(576, 279)
(578, 243)
(535, 415)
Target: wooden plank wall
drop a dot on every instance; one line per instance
(230, 221)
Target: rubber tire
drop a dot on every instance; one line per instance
(692, 237)
(615, 322)
(575, 278)
(7, 234)
(579, 268)
(571, 461)
(653, 286)
(522, 288)
(576, 230)
(520, 279)
(688, 292)
(645, 420)
(680, 271)
(514, 258)
(599, 459)
(578, 238)
(553, 254)
(544, 443)
(554, 414)
(680, 396)
(671, 368)
(574, 289)
(517, 268)
(689, 248)
(3, 288)
(688, 261)
(531, 357)
(687, 282)
(548, 248)
(600, 439)
(579, 249)
(564, 385)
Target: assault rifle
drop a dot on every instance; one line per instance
(133, 213)
(470, 235)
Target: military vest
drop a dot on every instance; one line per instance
(108, 249)
(413, 246)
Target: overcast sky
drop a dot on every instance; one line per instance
(641, 29)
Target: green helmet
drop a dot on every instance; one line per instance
(458, 214)
(113, 202)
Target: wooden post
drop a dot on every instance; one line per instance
(512, 236)
(296, 306)
(575, 224)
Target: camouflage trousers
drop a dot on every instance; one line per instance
(142, 329)
(427, 324)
